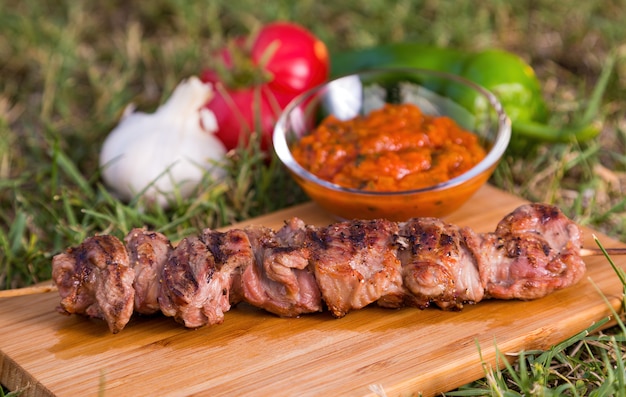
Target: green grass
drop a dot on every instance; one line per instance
(68, 69)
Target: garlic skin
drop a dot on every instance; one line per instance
(166, 152)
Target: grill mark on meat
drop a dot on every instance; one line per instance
(214, 242)
(357, 235)
(218, 244)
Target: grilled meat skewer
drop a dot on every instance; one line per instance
(300, 268)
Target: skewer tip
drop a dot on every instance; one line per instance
(598, 251)
(32, 290)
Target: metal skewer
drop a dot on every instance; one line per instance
(598, 251)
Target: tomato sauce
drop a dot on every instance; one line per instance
(394, 148)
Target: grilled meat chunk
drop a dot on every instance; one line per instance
(437, 265)
(197, 277)
(534, 251)
(279, 280)
(355, 264)
(148, 252)
(95, 279)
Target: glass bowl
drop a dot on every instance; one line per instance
(478, 111)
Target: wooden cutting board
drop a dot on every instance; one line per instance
(401, 352)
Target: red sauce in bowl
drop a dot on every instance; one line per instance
(394, 148)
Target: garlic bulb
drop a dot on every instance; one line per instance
(167, 151)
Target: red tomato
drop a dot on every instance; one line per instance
(284, 60)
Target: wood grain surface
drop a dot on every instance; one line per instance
(402, 352)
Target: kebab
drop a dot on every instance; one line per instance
(298, 269)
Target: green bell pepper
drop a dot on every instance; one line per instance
(398, 55)
(509, 78)
(503, 73)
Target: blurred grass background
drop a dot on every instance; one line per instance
(68, 69)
